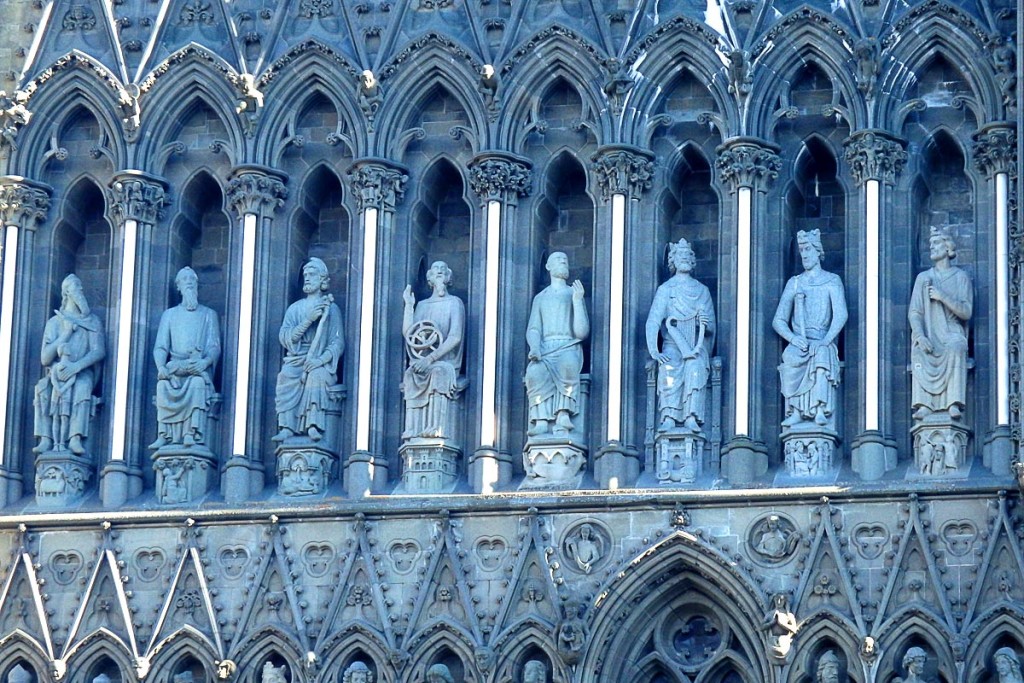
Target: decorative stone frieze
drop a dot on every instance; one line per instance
(138, 197)
(748, 162)
(257, 190)
(621, 169)
(23, 202)
(499, 177)
(874, 155)
(377, 184)
(995, 148)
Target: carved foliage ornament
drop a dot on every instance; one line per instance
(137, 199)
(747, 164)
(79, 18)
(256, 193)
(995, 149)
(874, 156)
(623, 171)
(22, 205)
(316, 8)
(377, 187)
(499, 179)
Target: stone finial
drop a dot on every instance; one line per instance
(995, 148)
(377, 184)
(136, 196)
(256, 190)
(874, 155)
(623, 170)
(23, 202)
(748, 162)
(499, 177)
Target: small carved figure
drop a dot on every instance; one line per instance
(741, 76)
(274, 674)
(1007, 665)
(311, 337)
(586, 548)
(534, 671)
(488, 86)
(357, 672)
(940, 308)
(810, 316)
(828, 668)
(868, 67)
(781, 626)
(433, 331)
(558, 325)
(868, 649)
(186, 352)
(369, 96)
(72, 349)
(683, 314)
(773, 541)
(439, 673)
(914, 662)
(1004, 57)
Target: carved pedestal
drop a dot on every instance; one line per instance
(679, 457)
(940, 447)
(429, 465)
(553, 462)
(809, 452)
(61, 477)
(304, 467)
(183, 474)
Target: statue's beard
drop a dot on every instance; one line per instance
(79, 303)
(190, 299)
(310, 289)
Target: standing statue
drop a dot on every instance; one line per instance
(186, 353)
(534, 671)
(828, 668)
(684, 316)
(73, 347)
(433, 331)
(780, 623)
(312, 341)
(1007, 665)
(914, 662)
(558, 325)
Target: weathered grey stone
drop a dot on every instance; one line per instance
(357, 672)
(915, 660)
(828, 670)
(1006, 662)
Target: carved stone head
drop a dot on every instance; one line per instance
(809, 245)
(941, 244)
(1007, 665)
(315, 276)
(828, 668)
(534, 671)
(681, 258)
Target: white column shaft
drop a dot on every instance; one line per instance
(871, 306)
(9, 264)
(615, 301)
(1002, 302)
(370, 218)
(744, 208)
(123, 353)
(245, 323)
(488, 398)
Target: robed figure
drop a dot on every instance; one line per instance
(684, 316)
(311, 335)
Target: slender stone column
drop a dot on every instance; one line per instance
(136, 204)
(875, 159)
(499, 180)
(748, 166)
(995, 155)
(377, 185)
(624, 173)
(255, 193)
(23, 206)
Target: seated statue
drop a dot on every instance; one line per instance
(72, 349)
(433, 331)
(186, 352)
(312, 340)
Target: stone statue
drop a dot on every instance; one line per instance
(810, 316)
(684, 316)
(558, 324)
(940, 308)
(357, 672)
(433, 331)
(439, 673)
(186, 353)
(534, 671)
(1007, 665)
(773, 540)
(369, 96)
(828, 668)
(914, 662)
(312, 341)
(586, 548)
(274, 674)
(73, 347)
(781, 625)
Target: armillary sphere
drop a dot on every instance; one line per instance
(422, 339)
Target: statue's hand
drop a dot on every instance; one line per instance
(318, 310)
(421, 365)
(704, 320)
(935, 294)
(926, 344)
(408, 297)
(312, 364)
(533, 355)
(662, 358)
(66, 371)
(577, 290)
(800, 342)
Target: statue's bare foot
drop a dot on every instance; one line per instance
(539, 427)
(922, 412)
(188, 440)
(45, 444)
(691, 423)
(285, 433)
(793, 419)
(667, 424)
(563, 425)
(314, 433)
(160, 442)
(820, 419)
(75, 445)
(955, 412)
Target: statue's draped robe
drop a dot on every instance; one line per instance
(440, 381)
(678, 305)
(804, 387)
(302, 397)
(553, 382)
(71, 399)
(939, 378)
(182, 401)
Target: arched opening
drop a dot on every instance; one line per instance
(20, 672)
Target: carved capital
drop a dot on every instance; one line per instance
(256, 190)
(874, 155)
(137, 196)
(499, 177)
(23, 202)
(995, 148)
(623, 170)
(748, 162)
(377, 184)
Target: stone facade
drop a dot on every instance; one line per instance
(266, 506)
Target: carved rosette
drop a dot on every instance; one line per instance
(501, 178)
(256, 190)
(137, 197)
(377, 184)
(995, 149)
(874, 155)
(623, 170)
(23, 203)
(748, 162)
